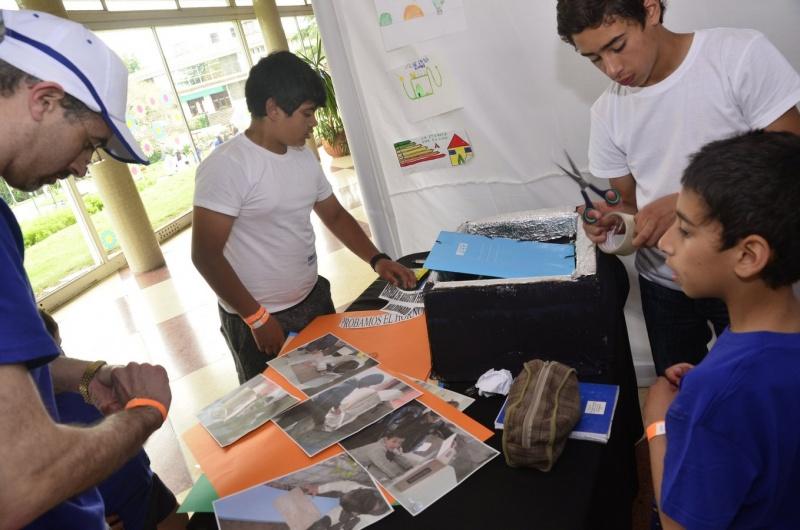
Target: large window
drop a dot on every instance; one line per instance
(158, 123)
(55, 249)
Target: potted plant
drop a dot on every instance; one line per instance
(330, 129)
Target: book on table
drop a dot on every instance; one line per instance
(598, 403)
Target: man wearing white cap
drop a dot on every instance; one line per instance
(62, 95)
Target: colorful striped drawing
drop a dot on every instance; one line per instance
(410, 153)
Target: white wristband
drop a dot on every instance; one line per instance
(657, 428)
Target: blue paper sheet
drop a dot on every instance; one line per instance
(499, 257)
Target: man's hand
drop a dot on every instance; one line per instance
(396, 274)
(141, 381)
(113, 386)
(653, 220)
(101, 392)
(675, 373)
(659, 397)
(270, 337)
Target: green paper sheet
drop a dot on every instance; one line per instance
(200, 497)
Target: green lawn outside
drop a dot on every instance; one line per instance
(169, 197)
(65, 253)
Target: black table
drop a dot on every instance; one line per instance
(592, 486)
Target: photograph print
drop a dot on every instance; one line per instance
(244, 409)
(344, 409)
(417, 455)
(335, 493)
(321, 364)
(459, 401)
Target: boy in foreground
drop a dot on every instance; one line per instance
(728, 456)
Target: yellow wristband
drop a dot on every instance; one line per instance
(657, 428)
(147, 402)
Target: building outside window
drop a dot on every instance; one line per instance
(221, 100)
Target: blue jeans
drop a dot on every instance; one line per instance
(677, 326)
(249, 360)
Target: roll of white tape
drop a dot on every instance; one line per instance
(619, 239)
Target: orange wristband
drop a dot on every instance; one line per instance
(252, 319)
(261, 321)
(657, 428)
(147, 402)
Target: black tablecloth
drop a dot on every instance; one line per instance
(591, 486)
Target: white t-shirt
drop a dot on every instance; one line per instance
(271, 244)
(731, 81)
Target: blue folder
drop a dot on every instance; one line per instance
(499, 257)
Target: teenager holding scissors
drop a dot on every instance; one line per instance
(671, 94)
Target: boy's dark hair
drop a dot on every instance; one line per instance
(575, 16)
(751, 184)
(286, 78)
(11, 77)
(363, 501)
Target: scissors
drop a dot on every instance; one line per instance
(611, 195)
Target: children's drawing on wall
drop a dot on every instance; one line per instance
(421, 78)
(404, 22)
(426, 88)
(433, 151)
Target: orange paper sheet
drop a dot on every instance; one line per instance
(268, 453)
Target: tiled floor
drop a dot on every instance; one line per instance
(169, 317)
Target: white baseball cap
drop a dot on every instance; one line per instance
(65, 52)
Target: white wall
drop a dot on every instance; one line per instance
(526, 96)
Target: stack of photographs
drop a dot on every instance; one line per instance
(417, 455)
(459, 401)
(321, 364)
(344, 409)
(412, 451)
(335, 493)
(244, 409)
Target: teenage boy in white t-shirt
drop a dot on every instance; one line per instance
(671, 94)
(252, 238)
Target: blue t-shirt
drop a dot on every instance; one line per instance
(733, 436)
(25, 340)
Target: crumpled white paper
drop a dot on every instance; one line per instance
(494, 382)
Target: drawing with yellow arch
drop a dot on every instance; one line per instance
(412, 11)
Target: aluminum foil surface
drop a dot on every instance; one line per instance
(533, 225)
